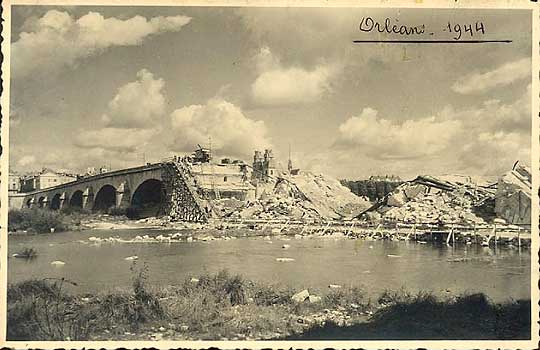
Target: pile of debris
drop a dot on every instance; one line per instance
(305, 196)
(445, 199)
(513, 198)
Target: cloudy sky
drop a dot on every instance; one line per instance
(93, 86)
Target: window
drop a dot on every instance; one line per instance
(225, 179)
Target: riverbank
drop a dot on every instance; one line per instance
(226, 307)
(29, 221)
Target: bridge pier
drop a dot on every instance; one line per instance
(122, 196)
(63, 198)
(88, 199)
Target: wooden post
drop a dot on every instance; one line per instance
(495, 234)
(475, 236)
(519, 237)
(453, 235)
(414, 230)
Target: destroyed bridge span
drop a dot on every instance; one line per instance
(165, 188)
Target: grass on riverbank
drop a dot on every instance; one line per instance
(224, 306)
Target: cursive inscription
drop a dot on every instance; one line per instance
(368, 24)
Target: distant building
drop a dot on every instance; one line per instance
(218, 181)
(14, 184)
(264, 166)
(44, 179)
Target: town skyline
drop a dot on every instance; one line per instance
(146, 83)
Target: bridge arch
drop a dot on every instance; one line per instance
(76, 200)
(148, 199)
(29, 202)
(105, 198)
(56, 201)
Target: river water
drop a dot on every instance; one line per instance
(502, 274)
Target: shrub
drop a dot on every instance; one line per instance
(36, 219)
(267, 295)
(39, 309)
(352, 298)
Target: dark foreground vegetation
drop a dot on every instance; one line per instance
(423, 316)
(223, 306)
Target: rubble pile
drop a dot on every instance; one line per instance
(305, 196)
(434, 207)
(428, 199)
(513, 198)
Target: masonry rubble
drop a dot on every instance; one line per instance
(513, 197)
(302, 196)
(430, 199)
(458, 199)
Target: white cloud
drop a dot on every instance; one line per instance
(500, 76)
(138, 104)
(277, 85)
(381, 138)
(231, 132)
(495, 152)
(27, 160)
(494, 115)
(57, 40)
(116, 139)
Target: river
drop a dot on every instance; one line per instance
(502, 274)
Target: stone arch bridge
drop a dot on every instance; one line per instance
(165, 188)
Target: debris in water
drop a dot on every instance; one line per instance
(393, 256)
(58, 262)
(133, 257)
(284, 259)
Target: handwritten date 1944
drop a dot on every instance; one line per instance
(460, 29)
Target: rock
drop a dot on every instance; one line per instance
(284, 259)
(334, 286)
(133, 257)
(161, 329)
(189, 239)
(285, 246)
(300, 296)
(314, 299)
(184, 327)
(194, 280)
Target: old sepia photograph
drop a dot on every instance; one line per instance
(270, 173)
